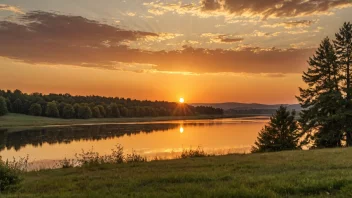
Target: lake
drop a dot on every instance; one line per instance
(163, 139)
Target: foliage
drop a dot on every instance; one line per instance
(9, 105)
(84, 112)
(280, 134)
(35, 109)
(134, 157)
(3, 106)
(114, 110)
(327, 111)
(68, 111)
(96, 112)
(52, 110)
(9, 174)
(102, 110)
(316, 173)
(191, 153)
(18, 102)
(17, 106)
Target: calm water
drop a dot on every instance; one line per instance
(163, 139)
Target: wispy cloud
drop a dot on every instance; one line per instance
(273, 8)
(292, 24)
(11, 8)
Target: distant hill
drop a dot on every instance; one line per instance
(235, 106)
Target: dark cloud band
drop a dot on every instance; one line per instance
(50, 38)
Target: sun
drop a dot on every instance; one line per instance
(182, 100)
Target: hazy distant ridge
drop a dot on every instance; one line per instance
(247, 106)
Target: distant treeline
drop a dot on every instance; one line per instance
(84, 107)
(250, 111)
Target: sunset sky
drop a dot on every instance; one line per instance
(202, 50)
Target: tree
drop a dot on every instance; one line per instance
(102, 110)
(76, 108)
(322, 101)
(115, 112)
(3, 106)
(96, 112)
(51, 110)
(343, 46)
(84, 112)
(35, 109)
(17, 106)
(280, 134)
(61, 107)
(9, 105)
(124, 112)
(68, 111)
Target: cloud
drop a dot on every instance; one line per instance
(292, 24)
(222, 38)
(11, 8)
(49, 38)
(273, 8)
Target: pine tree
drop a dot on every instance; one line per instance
(322, 101)
(280, 134)
(343, 46)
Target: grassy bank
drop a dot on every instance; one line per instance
(15, 122)
(317, 173)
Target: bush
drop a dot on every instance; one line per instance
(52, 110)
(35, 109)
(3, 106)
(9, 176)
(191, 153)
(68, 111)
(134, 157)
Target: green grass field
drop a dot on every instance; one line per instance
(317, 173)
(15, 122)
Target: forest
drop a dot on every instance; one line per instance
(85, 107)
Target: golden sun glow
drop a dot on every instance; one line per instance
(181, 129)
(182, 100)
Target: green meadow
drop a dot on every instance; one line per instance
(315, 173)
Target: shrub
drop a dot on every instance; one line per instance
(51, 110)
(35, 109)
(9, 175)
(191, 153)
(3, 106)
(134, 157)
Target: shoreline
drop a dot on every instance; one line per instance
(17, 122)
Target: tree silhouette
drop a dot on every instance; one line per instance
(280, 134)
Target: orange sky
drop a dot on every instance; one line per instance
(202, 50)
